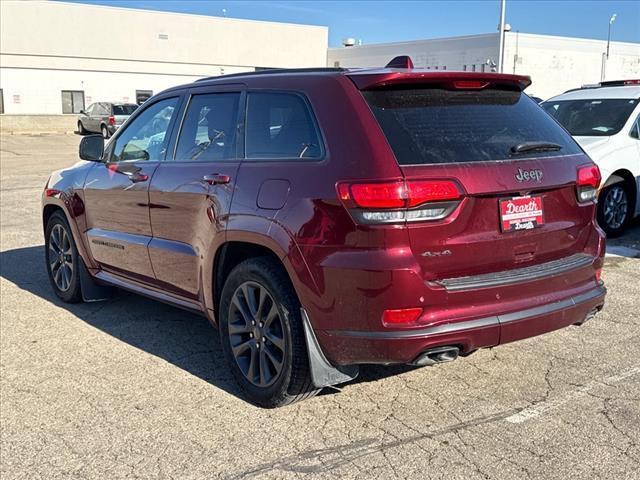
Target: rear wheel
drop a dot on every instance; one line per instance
(262, 334)
(105, 131)
(62, 258)
(614, 207)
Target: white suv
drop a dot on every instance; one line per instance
(604, 120)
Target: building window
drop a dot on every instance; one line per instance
(72, 101)
(143, 95)
(473, 67)
(1, 102)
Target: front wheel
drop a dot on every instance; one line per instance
(81, 129)
(63, 262)
(613, 208)
(262, 334)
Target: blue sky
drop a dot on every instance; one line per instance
(392, 21)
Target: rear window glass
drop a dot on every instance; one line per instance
(430, 125)
(592, 118)
(124, 109)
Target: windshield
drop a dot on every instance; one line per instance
(591, 118)
(124, 109)
(432, 125)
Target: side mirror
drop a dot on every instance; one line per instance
(91, 148)
(82, 112)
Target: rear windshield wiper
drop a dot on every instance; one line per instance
(535, 147)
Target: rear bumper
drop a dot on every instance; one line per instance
(403, 346)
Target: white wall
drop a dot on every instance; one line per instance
(453, 53)
(46, 47)
(557, 64)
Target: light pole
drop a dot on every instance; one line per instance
(503, 11)
(605, 57)
(611, 20)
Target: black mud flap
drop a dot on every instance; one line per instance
(91, 290)
(323, 374)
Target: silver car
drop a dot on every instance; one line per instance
(104, 118)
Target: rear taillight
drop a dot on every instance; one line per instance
(112, 120)
(587, 183)
(598, 275)
(399, 201)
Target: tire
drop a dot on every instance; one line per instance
(62, 260)
(104, 131)
(264, 385)
(614, 208)
(81, 129)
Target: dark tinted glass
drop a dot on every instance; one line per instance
(592, 118)
(124, 109)
(432, 125)
(209, 129)
(280, 125)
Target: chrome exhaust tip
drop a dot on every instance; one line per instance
(436, 355)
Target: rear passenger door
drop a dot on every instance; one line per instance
(191, 191)
(284, 152)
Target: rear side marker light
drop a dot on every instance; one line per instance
(587, 183)
(401, 316)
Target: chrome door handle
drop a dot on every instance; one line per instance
(216, 179)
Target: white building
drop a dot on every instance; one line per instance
(58, 57)
(555, 64)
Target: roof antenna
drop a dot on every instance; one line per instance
(402, 61)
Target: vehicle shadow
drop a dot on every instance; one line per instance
(183, 339)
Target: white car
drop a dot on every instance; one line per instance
(604, 120)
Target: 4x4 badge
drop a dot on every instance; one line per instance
(529, 175)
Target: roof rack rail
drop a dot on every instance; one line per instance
(272, 71)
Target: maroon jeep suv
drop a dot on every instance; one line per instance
(327, 218)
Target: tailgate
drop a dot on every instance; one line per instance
(497, 145)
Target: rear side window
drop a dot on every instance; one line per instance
(431, 126)
(592, 118)
(209, 129)
(124, 109)
(280, 126)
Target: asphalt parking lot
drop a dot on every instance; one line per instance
(131, 388)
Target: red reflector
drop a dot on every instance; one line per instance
(598, 274)
(379, 195)
(589, 176)
(469, 84)
(403, 315)
(112, 120)
(420, 192)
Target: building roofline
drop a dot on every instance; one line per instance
(188, 15)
